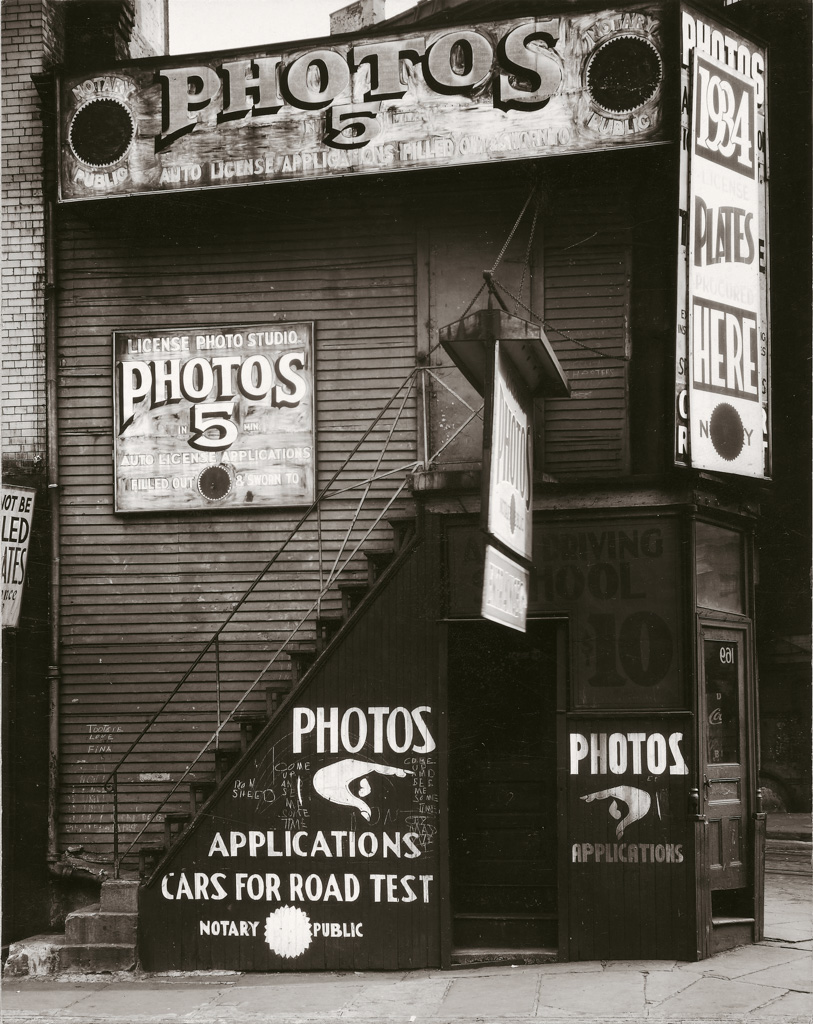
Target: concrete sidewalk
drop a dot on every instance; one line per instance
(772, 982)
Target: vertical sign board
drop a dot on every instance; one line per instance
(507, 503)
(508, 459)
(728, 375)
(722, 339)
(321, 854)
(505, 590)
(628, 792)
(18, 513)
(214, 417)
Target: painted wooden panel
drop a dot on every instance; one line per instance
(214, 416)
(321, 849)
(629, 837)
(494, 91)
(619, 581)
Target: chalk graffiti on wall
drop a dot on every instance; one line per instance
(325, 835)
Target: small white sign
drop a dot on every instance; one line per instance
(510, 470)
(505, 590)
(18, 512)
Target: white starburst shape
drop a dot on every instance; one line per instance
(288, 931)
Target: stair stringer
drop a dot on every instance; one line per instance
(304, 825)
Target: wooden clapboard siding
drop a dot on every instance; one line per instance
(389, 656)
(141, 594)
(587, 281)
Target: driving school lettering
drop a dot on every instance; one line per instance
(621, 582)
(237, 402)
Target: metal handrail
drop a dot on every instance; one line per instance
(110, 783)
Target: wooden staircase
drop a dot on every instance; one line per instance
(353, 587)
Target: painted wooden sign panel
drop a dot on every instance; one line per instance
(628, 837)
(498, 90)
(619, 582)
(214, 416)
(505, 590)
(320, 851)
(18, 515)
(722, 381)
(727, 364)
(508, 457)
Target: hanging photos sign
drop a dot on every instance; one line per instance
(722, 351)
(18, 513)
(508, 458)
(214, 417)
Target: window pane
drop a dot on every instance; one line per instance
(722, 701)
(719, 568)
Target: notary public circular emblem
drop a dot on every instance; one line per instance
(288, 931)
(726, 431)
(215, 482)
(623, 73)
(101, 131)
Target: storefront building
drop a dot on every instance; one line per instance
(281, 707)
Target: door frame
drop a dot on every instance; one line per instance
(560, 623)
(740, 629)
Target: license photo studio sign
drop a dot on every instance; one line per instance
(477, 93)
(723, 383)
(214, 417)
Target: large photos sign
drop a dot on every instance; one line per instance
(492, 91)
(723, 370)
(214, 417)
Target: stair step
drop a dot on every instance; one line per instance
(353, 590)
(276, 693)
(174, 824)
(93, 926)
(199, 792)
(378, 558)
(479, 957)
(225, 759)
(119, 895)
(327, 626)
(148, 857)
(251, 724)
(402, 526)
(95, 958)
(729, 932)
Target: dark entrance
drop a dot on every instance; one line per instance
(502, 787)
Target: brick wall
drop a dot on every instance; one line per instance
(30, 34)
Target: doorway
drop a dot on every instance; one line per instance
(725, 774)
(502, 787)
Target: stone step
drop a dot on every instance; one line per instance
(35, 957)
(119, 896)
(91, 926)
(788, 856)
(94, 958)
